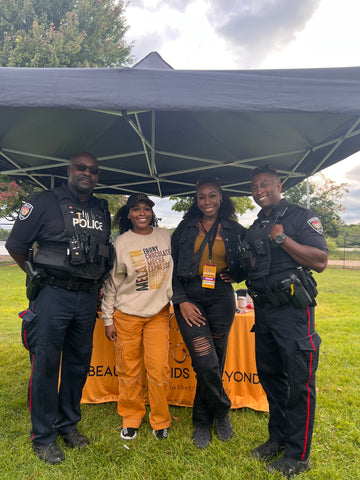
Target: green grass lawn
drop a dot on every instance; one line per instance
(336, 441)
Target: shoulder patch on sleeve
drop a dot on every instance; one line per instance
(315, 223)
(25, 211)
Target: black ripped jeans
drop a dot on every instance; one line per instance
(207, 347)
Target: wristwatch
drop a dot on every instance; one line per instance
(279, 239)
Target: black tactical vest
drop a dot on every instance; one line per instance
(82, 249)
(259, 256)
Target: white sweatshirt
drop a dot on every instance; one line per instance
(140, 280)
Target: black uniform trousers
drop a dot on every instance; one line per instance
(64, 329)
(287, 354)
(207, 346)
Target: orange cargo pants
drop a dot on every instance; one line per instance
(142, 342)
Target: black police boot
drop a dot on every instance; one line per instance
(267, 450)
(74, 439)
(50, 453)
(288, 466)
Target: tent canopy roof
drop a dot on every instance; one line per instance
(155, 129)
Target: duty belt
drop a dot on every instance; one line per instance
(300, 292)
(73, 284)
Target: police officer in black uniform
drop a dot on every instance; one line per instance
(281, 247)
(69, 229)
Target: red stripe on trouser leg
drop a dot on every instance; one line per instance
(25, 341)
(30, 384)
(308, 408)
(308, 389)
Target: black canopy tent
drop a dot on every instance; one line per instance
(155, 129)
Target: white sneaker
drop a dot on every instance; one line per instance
(128, 433)
(161, 434)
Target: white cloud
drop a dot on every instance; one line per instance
(167, 218)
(329, 39)
(185, 38)
(255, 28)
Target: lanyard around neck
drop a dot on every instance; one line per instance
(210, 236)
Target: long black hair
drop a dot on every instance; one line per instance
(227, 207)
(121, 220)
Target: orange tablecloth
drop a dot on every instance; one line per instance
(240, 377)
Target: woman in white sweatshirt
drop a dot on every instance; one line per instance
(135, 310)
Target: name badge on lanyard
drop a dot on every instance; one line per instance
(209, 269)
(209, 276)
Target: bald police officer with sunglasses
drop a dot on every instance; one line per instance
(69, 230)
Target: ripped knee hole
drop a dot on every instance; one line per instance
(202, 346)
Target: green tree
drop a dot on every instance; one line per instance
(4, 234)
(349, 236)
(52, 10)
(19, 15)
(12, 196)
(63, 33)
(114, 201)
(46, 46)
(182, 204)
(325, 199)
(15, 15)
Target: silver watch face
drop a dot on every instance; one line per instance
(280, 239)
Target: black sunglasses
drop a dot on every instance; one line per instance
(82, 168)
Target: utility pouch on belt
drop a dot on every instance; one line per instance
(35, 280)
(29, 333)
(309, 283)
(281, 296)
(271, 297)
(299, 296)
(255, 295)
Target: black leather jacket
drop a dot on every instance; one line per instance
(182, 246)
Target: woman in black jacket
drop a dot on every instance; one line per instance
(205, 249)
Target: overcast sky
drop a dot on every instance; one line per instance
(243, 34)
